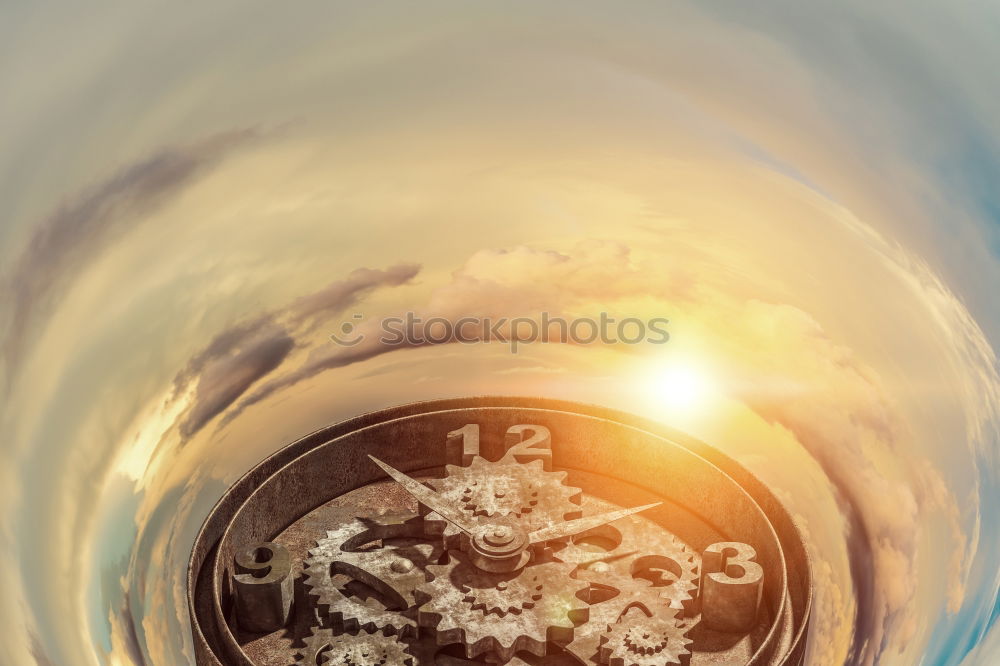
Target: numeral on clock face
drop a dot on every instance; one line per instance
(263, 587)
(731, 585)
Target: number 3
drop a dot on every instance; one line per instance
(731, 585)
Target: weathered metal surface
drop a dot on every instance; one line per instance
(326, 647)
(307, 496)
(263, 587)
(389, 574)
(731, 587)
(638, 639)
(507, 488)
(625, 575)
(500, 614)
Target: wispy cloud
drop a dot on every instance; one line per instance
(496, 282)
(239, 356)
(82, 226)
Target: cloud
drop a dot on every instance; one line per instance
(532, 370)
(520, 281)
(848, 422)
(239, 356)
(226, 376)
(525, 279)
(76, 232)
(310, 310)
(38, 652)
(123, 637)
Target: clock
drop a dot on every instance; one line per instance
(499, 531)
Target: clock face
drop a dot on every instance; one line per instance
(497, 535)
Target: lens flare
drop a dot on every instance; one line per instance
(680, 385)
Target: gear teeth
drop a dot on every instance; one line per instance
(640, 640)
(616, 570)
(476, 609)
(505, 488)
(325, 648)
(316, 645)
(497, 615)
(373, 568)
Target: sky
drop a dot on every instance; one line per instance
(193, 198)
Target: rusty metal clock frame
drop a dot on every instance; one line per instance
(507, 531)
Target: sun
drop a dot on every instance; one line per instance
(680, 385)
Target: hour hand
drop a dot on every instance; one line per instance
(572, 527)
(426, 496)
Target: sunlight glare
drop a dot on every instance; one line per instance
(680, 385)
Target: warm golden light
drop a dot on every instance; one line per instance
(680, 384)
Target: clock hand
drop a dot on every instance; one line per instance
(426, 496)
(568, 529)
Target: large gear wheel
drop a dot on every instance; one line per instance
(364, 573)
(504, 489)
(500, 614)
(627, 578)
(612, 600)
(327, 648)
(669, 567)
(641, 640)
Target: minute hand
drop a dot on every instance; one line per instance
(425, 496)
(568, 529)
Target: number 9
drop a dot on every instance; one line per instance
(263, 587)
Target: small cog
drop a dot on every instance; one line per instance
(641, 640)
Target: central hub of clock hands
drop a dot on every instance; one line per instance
(501, 544)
